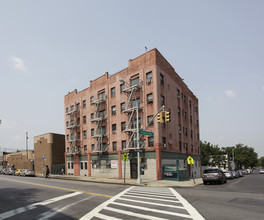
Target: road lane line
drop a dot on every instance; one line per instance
(56, 187)
(34, 205)
(189, 208)
(51, 213)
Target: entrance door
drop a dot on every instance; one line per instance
(133, 168)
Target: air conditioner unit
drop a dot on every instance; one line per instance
(149, 80)
(164, 145)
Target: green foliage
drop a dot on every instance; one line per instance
(261, 161)
(244, 156)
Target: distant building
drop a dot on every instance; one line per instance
(19, 160)
(101, 122)
(49, 150)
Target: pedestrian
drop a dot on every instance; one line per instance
(47, 171)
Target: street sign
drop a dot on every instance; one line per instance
(149, 133)
(140, 151)
(125, 157)
(190, 160)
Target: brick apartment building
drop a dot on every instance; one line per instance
(100, 122)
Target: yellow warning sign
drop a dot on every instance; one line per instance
(190, 160)
(125, 157)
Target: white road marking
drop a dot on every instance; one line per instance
(33, 206)
(103, 205)
(164, 200)
(49, 214)
(152, 210)
(132, 214)
(152, 203)
(193, 212)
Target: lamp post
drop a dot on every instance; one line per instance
(139, 180)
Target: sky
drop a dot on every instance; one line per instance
(48, 48)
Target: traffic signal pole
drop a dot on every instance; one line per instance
(151, 120)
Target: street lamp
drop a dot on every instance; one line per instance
(139, 180)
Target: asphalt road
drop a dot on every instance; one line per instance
(38, 198)
(30, 197)
(241, 198)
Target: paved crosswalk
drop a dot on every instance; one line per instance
(145, 203)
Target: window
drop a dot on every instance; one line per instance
(102, 114)
(178, 93)
(85, 165)
(68, 150)
(180, 146)
(96, 164)
(123, 126)
(78, 135)
(190, 104)
(69, 165)
(78, 121)
(92, 132)
(72, 165)
(93, 148)
(151, 141)
(191, 148)
(67, 137)
(84, 119)
(114, 146)
(78, 106)
(186, 131)
(113, 128)
(113, 92)
(84, 134)
(84, 103)
(184, 98)
(190, 119)
(72, 108)
(123, 106)
(113, 110)
(164, 141)
(72, 137)
(149, 119)
(104, 130)
(136, 103)
(162, 100)
(161, 79)
(179, 111)
(122, 87)
(134, 81)
(67, 124)
(81, 165)
(191, 134)
(150, 98)
(67, 110)
(92, 116)
(85, 148)
(91, 99)
(123, 145)
(179, 129)
(149, 77)
(101, 96)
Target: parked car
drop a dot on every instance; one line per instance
(27, 173)
(229, 175)
(236, 173)
(261, 171)
(240, 173)
(213, 175)
(17, 173)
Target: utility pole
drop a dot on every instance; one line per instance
(27, 143)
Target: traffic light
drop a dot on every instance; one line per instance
(159, 118)
(167, 116)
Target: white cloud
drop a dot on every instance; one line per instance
(18, 63)
(230, 93)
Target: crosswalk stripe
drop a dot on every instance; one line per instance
(99, 215)
(193, 212)
(170, 197)
(132, 214)
(152, 193)
(143, 197)
(153, 210)
(152, 203)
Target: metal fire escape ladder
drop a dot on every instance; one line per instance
(99, 117)
(72, 126)
(130, 110)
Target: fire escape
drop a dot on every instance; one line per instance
(99, 118)
(133, 102)
(74, 126)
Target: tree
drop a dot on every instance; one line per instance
(261, 161)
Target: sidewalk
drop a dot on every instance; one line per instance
(153, 183)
